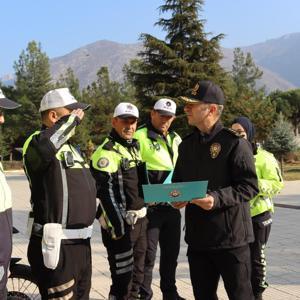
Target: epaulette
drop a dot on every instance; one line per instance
(233, 132)
(136, 144)
(109, 145)
(188, 136)
(173, 134)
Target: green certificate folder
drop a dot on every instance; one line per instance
(173, 192)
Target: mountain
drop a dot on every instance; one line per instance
(270, 80)
(279, 59)
(7, 79)
(280, 56)
(87, 61)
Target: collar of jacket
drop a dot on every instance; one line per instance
(153, 133)
(207, 137)
(114, 137)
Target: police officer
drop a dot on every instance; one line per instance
(63, 197)
(261, 207)
(159, 149)
(5, 209)
(218, 226)
(119, 174)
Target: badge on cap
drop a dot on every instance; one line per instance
(103, 162)
(195, 89)
(215, 149)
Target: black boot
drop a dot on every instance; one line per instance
(258, 297)
(174, 297)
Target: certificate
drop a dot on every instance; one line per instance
(175, 192)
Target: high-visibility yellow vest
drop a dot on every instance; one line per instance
(270, 182)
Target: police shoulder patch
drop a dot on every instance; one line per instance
(103, 162)
(233, 132)
(215, 149)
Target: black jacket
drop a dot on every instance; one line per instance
(57, 185)
(226, 161)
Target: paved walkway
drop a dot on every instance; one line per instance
(283, 250)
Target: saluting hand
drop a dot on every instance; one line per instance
(206, 203)
(79, 113)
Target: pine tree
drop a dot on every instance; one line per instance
(33, 81)
(245, 99)
(32, 72)
(103, 95)
(10, 130)
(245, 73)
(172, 66)
(281, 139)
(69, 80)
(4, 149)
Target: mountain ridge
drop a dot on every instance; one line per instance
(278, 58)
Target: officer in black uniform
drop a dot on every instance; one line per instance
(159, 149)
(5, 209)
(119, 174)
(218, 227)
(63, 198)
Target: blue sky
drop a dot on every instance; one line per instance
(64, 25)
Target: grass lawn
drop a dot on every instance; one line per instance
(291, 171)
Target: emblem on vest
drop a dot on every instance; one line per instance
(103, 162)
(215, 149)
(154, 146)
(174, 194)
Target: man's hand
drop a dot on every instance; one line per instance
(179, 205)
(79, 113)
(206, 203)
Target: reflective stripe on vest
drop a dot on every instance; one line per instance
(5, 192)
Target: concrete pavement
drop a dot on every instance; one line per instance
(283, 250)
